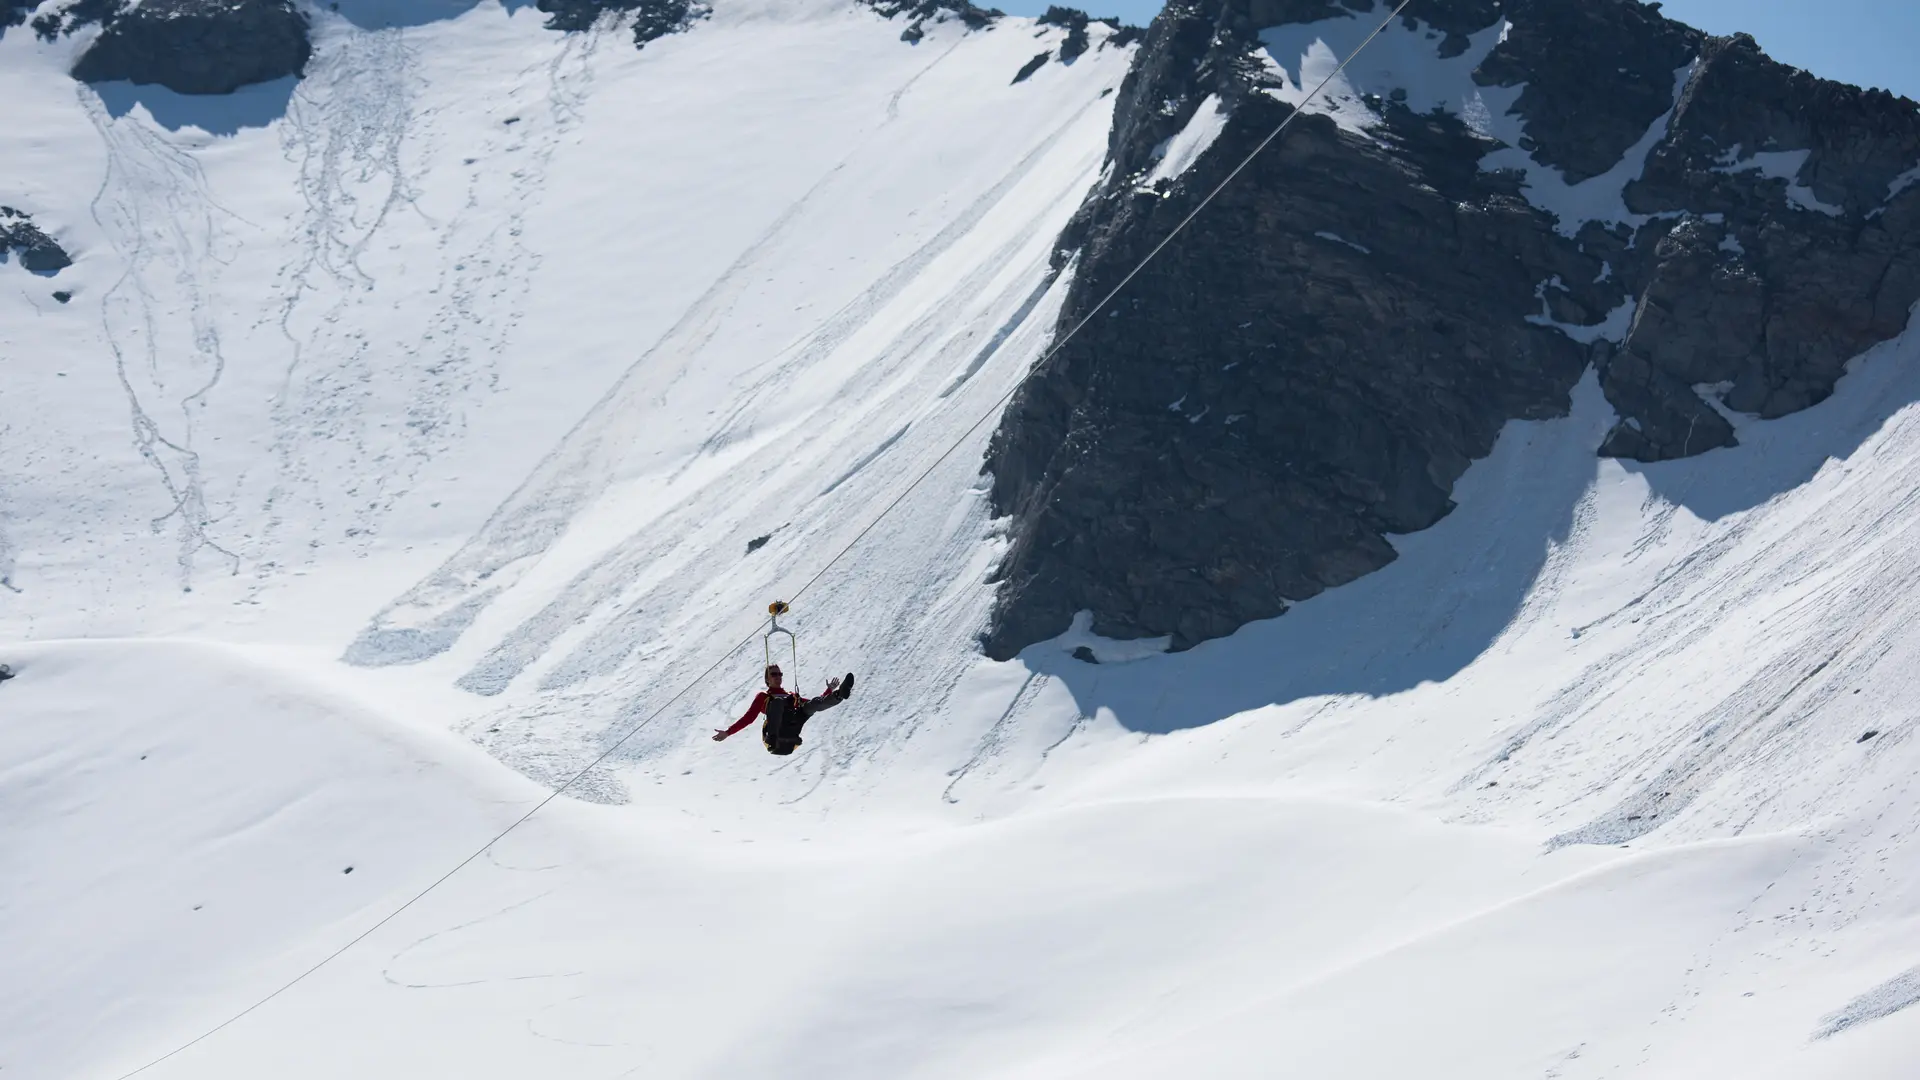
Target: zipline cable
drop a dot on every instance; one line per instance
(989, 414)
(1111, 293)
(442, 879)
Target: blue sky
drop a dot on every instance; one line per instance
(1869, 42)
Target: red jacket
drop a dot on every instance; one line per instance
(753, 712)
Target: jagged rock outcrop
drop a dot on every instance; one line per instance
(1078, 40)
(188, 46)
(1075, 22)
(921, 12)
(652, 19)
(1311, 365)
(60, 19)
(36, 250)
(1796, 247)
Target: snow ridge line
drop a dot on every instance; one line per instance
(991, 412)
(443, 878)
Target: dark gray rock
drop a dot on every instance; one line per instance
(1027, 69)
(1266, 404)
(1759, 290)
(1311, 365)
(36, 250)
(1699, 316)
(65, 19)
(1123, 34)
(1074, 22)
(194, 46)
(652, 19)
(1596, 73)
(921, 12)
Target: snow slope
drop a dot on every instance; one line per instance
(437, 401)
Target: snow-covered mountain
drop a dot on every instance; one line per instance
(383, 441)
(1496, 197)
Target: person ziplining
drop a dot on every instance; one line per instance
(786, 711)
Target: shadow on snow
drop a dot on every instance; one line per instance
(1457, 587)
(1776, 456)
(216, 114)
(399, 14)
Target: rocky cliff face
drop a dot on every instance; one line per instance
(193, 46)
(918, 13)
(21, 238)
(652, 19)
(217, 46)
(1497, 195)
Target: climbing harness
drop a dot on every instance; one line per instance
(786, 714)
(767, 636)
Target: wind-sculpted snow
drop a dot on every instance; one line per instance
(145, 904)
(586, 463)
(743, 425)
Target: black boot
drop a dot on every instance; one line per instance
(846, 687)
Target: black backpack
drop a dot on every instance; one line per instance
(786, 714)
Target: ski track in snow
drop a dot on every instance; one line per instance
(9, 553)
(346, 127)
(155, 204)
(352, 128)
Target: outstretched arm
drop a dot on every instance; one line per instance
(753, 711)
